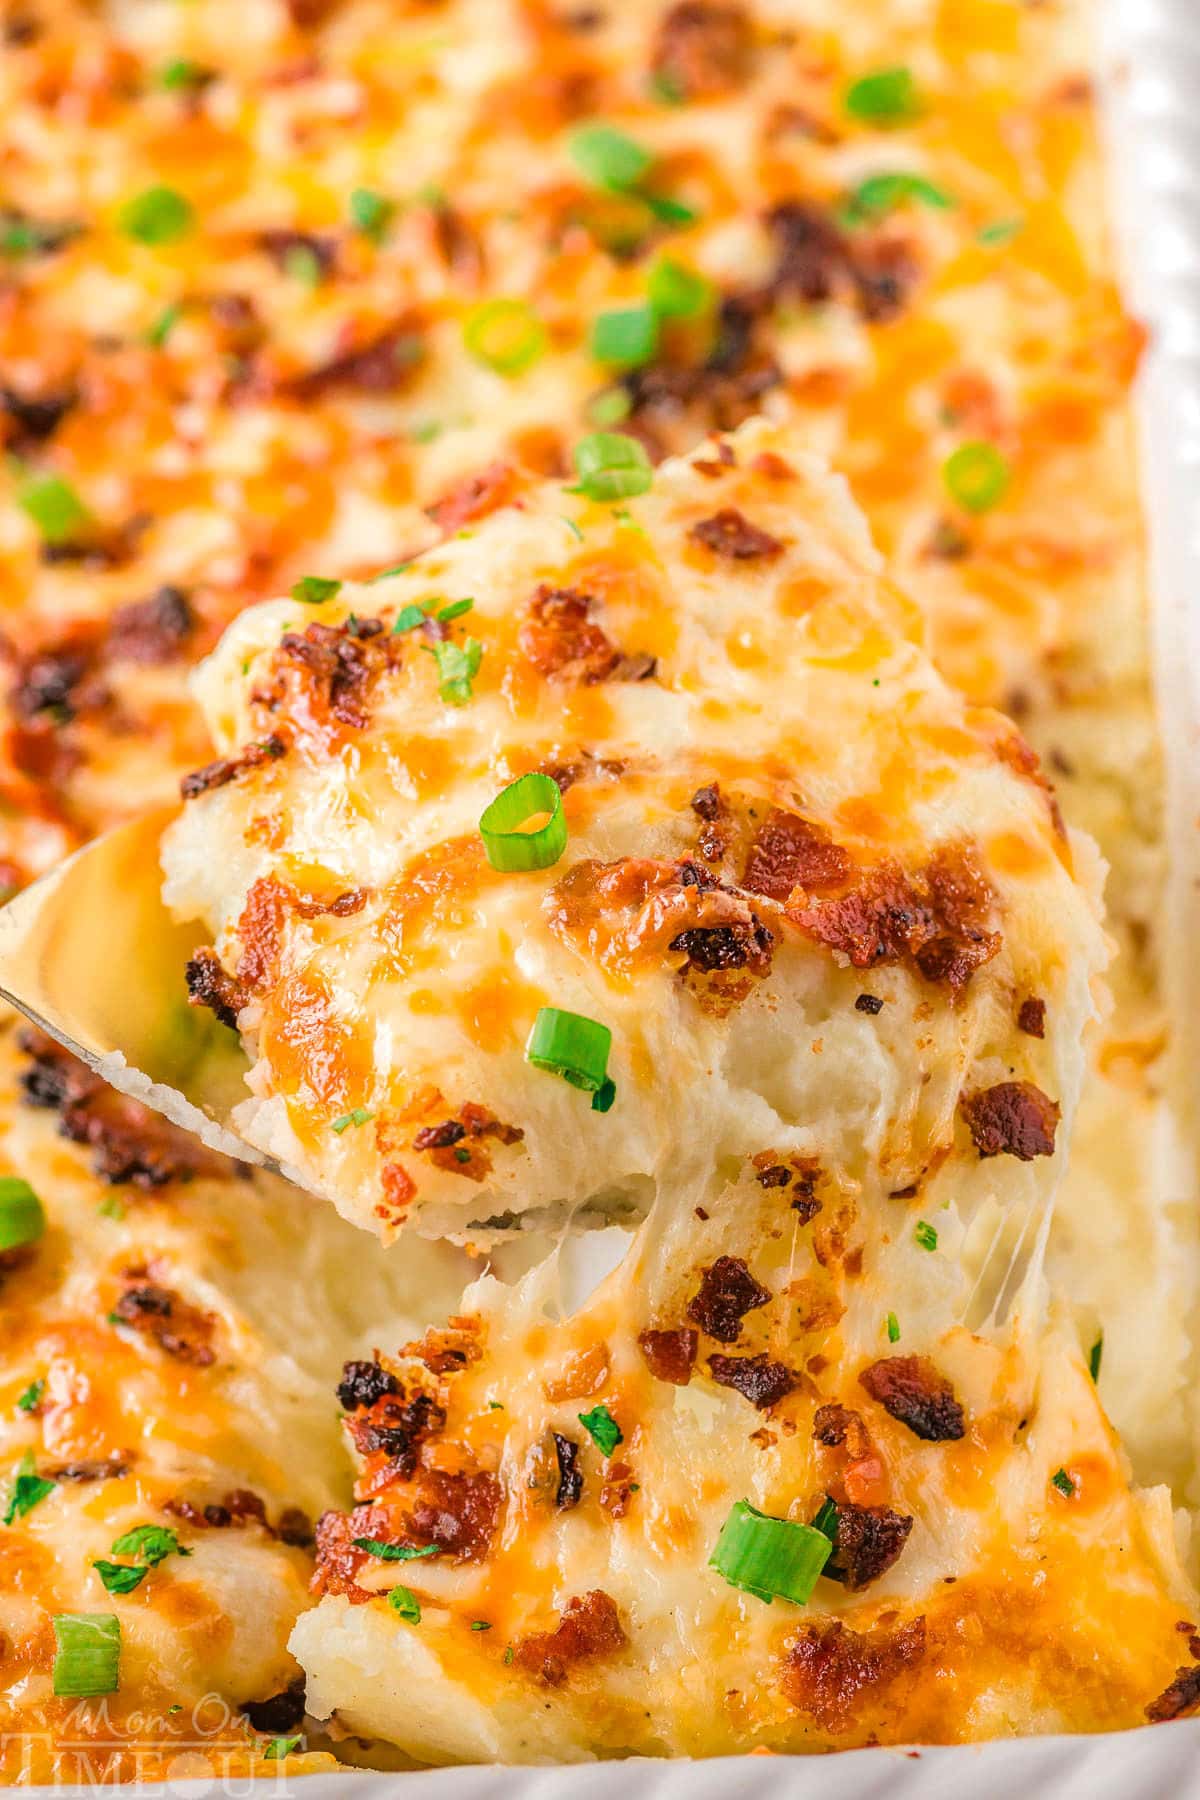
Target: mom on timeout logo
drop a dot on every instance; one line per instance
(207, 1748)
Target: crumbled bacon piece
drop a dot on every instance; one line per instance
(589, 1626)
(868, 1541)
(228, 768)
(730, 534)
(800, 1174)
(562, 641)
(815, 262)
(914, 1391)
(60, 680)
(35, 417)
(706, 803)
(569, 1491)
(333, 669)
(280, 1713)
(702, 48)
(789, 852)
(1014, 1118)
(457, 1145)
(455, 1510)
(209, 984)
(284, 247)
(396, 1427)
(670, 1355)
(1179, 1700)
(829, 1669)
(756, 1378)
(129, 1143)
(476, 497)
(383, 366)
(727, 1292)
(151, 631)
(870, 1004)
(363, 1383)
(162, 1315)
(1031, 1018)
(835, 1425)
(239, 1507)
(338, 1557)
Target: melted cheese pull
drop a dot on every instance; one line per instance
(805, 887)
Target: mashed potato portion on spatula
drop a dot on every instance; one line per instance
(627, 835)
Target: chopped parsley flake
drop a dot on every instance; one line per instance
(1062, 1481)
(371, 213)
(119, 1578)
(455, 610)
(359, 1116)
(280, 1747)
(54, 507)
(602, 1428)
(158, 215)
(885, 97)
(893, 1328)
(408, 618)
(1095, 1354)
(402, 1600)
(394, 1552)
(28, 1490)
(315, 590)
(926, 1235)
(457, 666)
(31, 1398)
(480, 1625)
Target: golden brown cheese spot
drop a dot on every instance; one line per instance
(589, 1627)
(832, 1674)
(1014, 1118)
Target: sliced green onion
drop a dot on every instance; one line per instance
(183, 74)
(22, 1220)
(504, 335)
(608, 158)
(455, 610)
(31, 1398)
(457, 666)
(926, 1235)
(315, 590)
(670, 211)
(120, 1578)
(54, 507)
(481, 1625)
(371, 213)
(1063, 1482)
(400, 568)
(89, 1654)
(677, 292)
(602, 1428)
(280, 1747)
(402, 1600)
(893, 1328)
(394, 1552)
(112, 1208)
(28, 1490)
(626, 338)
(1002, 231)
(882, 194)
(885, 97)
(976, 476)
(609, 406)
(826, 1519)
(149, 1544)
(1094, 1358)
(507, 845)
(612, 466)
(605, 1094)
(770, 1558)
(158, 215)
(570, 1045)
(408, 618)
(359, 1116)
(164, 325)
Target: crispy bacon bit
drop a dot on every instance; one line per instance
(338, 1557)
(742, 941)
(789, 852)
(870, 1004)
(815, 262)
(730, 534)
(937, 918)
(706, 803)
(496, 486)
(835, 1425)
(111, 1468)
(912, 1390)
(561, 641)
(177, 1327)
(670, 1355)
(34, 417)
(151, 631)
(1177, 1701)
(209, 984)
(396, 1428)
(589, 1626)
(456, 1511)
(59, 680)
(228, 768)
(1014, 1118)
(618, 1489)
(457, 1145)
(281, 246)
(239, 1507)
(799, 1173)
(702, 48)
(1031, 1018)
(129, 1143)
(680, 403)
(295, 1528)
(383, 366)
(398, 1186)
(334, 668)
(281, 1713)
(828, 1668)
(581, 1372)
(570, 1476)
(446, 1350)
(867, 1543)
(756, 1378)
(727, 1292)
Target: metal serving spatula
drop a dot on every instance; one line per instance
(90, 954)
